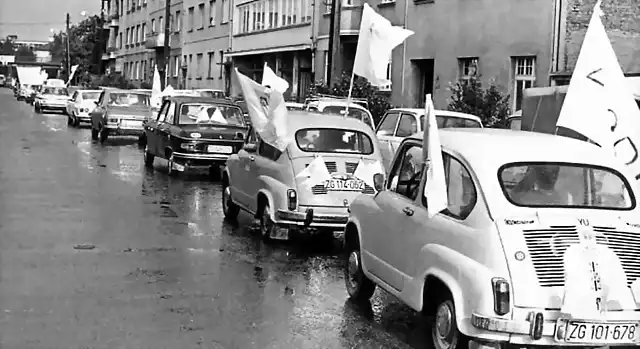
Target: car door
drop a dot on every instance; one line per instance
(240, 172)
(98, 111)
(385, 134)
(407, 126)
(163, 129)
(150, 130)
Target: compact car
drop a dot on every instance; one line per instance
(538, 246)
(194, 132)
(80, 105)
(338, 106)
(34, 90)
(119, 113)
(308, 187)
(51, 98)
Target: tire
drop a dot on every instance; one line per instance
(142, 140)
(229, 208)
(94, 133)
(444, 329)
(76, 121)
(359, 286)
(214, 173)
(266, 224)
(70, 121)
(103, 135)
(148, 158)
(37, 109)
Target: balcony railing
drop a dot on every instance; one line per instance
(156, 40)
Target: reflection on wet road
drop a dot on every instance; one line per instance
(99, 252)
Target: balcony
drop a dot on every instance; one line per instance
(114, 21)
(350, 20)
(108, 56)
(156, 40)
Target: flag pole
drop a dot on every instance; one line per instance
(346, 110)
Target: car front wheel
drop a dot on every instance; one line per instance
(267, 227)
(444, 328)
(359, 286)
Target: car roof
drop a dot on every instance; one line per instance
(198, 99)
(81, 90)
(340, 103)
(420, 111)
(299, 119)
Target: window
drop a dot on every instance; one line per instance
(138, 36)
(190, 66)
(144, 70)
(407, 126)
(389, 72)
(388, 1)
(211, 64)
(190, 23)
(152, 65)
(333, 140)
(120, 40)
(127, 37)
(524, 76)
(467, 68)
(327, 6)
(199, 65)
(388, 125)
(326, 66)
(194, 113)
(176, 65)
(221, 55)
(178, 21)
(160, 24)
(135, 70)
(406, 173)
(267, 14)
(163, 111)
(171, 114)
(461, 192)
(225, 11)
(153, 25)
(144, 31)
(212, 13)
(202, 15)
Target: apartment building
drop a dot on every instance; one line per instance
(156, 39)
(279, 32)
(206, 41)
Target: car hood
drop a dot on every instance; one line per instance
(130, 111)
(214, 131)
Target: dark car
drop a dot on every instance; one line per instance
(31, 97)
(195, 132)
(120, 113)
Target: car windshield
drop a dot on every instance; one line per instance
(58, 91)
(199, 113)
(452, 121)
(128, 99)
(212, 94)
(91, 96)
(356, 113)
(331, 140)
(565, 185)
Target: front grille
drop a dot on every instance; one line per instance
(321, 190)
(547, 248)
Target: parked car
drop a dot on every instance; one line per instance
(338, 106)
(195, 132)
(80, 105)
(491, 266)
(318, 97)
(32, 93)
(51, 98)
(398, 123)
(295, 106)
(119, 113)
(271, 185)
(211, 93)
(24, 90)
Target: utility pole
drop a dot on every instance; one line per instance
(68, 46)
(330, 52)
(164, 77)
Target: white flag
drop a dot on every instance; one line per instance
(156, 89)
(366, 170)
(73, 72)
(376, 40)
(436, 187)
(599, 103)
(269, 78)
(314, 174)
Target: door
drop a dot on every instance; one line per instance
(304, 83)
(385, 134)
(150, 130)
(240, 172)
(163, 129)
(425, 68)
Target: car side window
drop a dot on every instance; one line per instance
(101, 98)
(268, 151)
(171, 113)
(163, 111)
(76, 96)
(252, 137)
(406, 174)
(407, 126)
(388, 125)
(461, 191)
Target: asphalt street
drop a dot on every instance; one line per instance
(97, 251)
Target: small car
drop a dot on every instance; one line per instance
(272, 185)
(24, 91)
(80, 105)
(502, 265)
(119, 113)
(338, 106)
(194, 132)
(51, 98)
(32, 93)
(398, 123)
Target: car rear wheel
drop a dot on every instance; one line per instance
(70, 121)
(229, 208)
(266, 224)
(148, 157)
(359, 287)
(444, 328)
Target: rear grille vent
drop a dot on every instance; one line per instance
(547, 248)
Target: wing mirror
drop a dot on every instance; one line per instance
(378, 181)
(250, 148)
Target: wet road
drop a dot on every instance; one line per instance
(99, 252)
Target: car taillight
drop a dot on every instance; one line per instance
(501, 296)
(188, 146)
(292, 199)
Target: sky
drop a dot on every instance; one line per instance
(34, 19)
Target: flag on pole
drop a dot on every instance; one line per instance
(73, 72)
(156, 89)
(269, 78)
(267, 112)
(436, 186)
(377, 38)
(599, 103)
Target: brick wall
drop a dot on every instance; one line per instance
(622, 22)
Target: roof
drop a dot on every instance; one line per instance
(81, 90)
(420, 111)
(198, 99)
(341, 103)
(299, 119)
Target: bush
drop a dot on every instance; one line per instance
(378, 101)
(490, 105)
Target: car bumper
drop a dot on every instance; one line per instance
(310, 218)
(83, 117)
(45, 105)
(536, 330)
(187, 160)
(118, 130)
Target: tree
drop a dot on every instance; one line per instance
(25, 54)
(490, 105)
(378, 101)
(7, 48)
(85, 43)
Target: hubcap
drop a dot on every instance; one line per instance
(353, 266)
(226, 196)
(443, 326)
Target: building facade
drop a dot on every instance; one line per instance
(155, 39)
(206, 43)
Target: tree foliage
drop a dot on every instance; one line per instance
(7, 47)
(25, 54)
(378, 101)
(110, 80)
(84, 45)
(489, 104)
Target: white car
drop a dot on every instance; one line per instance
(539, 245)
(398, 123)
(211, 93)
(80, 105)
(338, 106)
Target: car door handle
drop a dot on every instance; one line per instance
(408, 211)
(252, 158)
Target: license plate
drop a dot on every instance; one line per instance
(280, 233)
(131, 123)
(225, 149)
(345, 185)
(599, 333)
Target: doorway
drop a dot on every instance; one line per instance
(424, 83)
